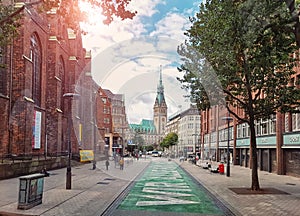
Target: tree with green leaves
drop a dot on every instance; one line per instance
(239, 54)
(68, 9)
(170, 140)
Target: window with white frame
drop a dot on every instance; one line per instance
(190, 126)
(296, 121)
(257, 128)
(273, 124)
(264, 126)
(222, 135)
(231, 133)
(244, 130)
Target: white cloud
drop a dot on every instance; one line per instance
(130, 66)
(173, 25)
(146, 7)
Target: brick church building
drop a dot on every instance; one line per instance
(43, 63)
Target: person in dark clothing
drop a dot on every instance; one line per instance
(106, 164)
(44, 171)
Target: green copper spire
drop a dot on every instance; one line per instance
(160, 98)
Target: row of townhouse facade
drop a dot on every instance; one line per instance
(46, 69)
(278, 141)
(207, 133)
(186, 124)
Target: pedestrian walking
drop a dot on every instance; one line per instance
(94, 164)
(106, 164)
(121, 163)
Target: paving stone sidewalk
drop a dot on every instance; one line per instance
(245, 204)
(92, 190)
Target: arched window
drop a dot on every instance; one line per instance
(36, 57)
(3, 72)
(60, 89)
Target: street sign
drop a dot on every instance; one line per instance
(130, 142)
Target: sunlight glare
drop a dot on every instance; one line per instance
(93, 14)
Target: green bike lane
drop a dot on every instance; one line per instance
(166, 189)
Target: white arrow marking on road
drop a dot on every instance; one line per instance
(163, 200)
(173, 194)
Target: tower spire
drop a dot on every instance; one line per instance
(160, 107)
(160, 97)
(160, 75)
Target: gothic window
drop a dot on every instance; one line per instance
(3, 72)
(60, 90)
(36, 57)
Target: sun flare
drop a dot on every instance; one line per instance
(93, 14)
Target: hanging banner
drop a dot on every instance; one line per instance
(37, 127)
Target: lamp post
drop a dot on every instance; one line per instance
(69, 96)
(195, 145)
(94, 111)
(95, 141)
(228, 119)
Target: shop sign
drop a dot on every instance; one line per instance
(291, 139)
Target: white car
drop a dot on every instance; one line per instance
(155, 154)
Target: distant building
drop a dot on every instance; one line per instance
(153, 131)
(116, 139)
(146, 130)
(186, 125)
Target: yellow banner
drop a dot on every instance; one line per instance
(86, 155)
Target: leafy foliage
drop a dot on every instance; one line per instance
(8, 23)
(249, 45)
(244, 51)
(69, 10)
(169, 140)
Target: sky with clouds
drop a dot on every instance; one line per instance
(127, 54)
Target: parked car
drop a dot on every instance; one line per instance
(181, 158)
(155, 154)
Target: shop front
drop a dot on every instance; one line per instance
(291, 150)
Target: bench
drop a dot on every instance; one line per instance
(214, 169)
(206, 165)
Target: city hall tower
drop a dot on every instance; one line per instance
(160, 108)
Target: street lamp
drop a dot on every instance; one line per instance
(69, 96)
(228, 119)
(94, 110)
(196, 135)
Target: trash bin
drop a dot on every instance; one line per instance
(221, 168)
(30, 191)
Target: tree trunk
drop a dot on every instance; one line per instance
(255, 182)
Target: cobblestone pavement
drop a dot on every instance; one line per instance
(94, 190)
(246, 205)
